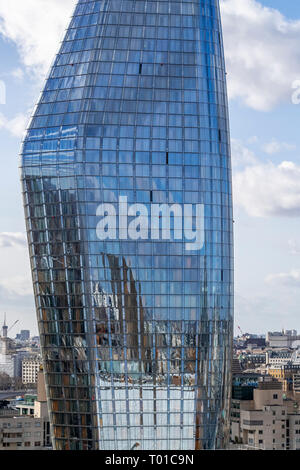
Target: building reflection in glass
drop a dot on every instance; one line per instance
(135, 334)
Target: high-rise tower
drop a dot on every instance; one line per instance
(4, 328)
(127, 192)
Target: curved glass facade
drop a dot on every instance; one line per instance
(127, 192)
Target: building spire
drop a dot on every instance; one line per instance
(4, 328)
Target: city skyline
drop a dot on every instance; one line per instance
(261, 76)
(152, 170)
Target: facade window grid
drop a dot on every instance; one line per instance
(47, 230)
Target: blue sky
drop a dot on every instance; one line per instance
(289, 8)
(263, 62)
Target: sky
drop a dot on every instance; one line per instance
(262, 49)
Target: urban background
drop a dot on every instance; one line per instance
(265, 409)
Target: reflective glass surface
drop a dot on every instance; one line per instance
(135, 320)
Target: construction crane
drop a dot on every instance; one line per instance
(13, 325)
(240, 330)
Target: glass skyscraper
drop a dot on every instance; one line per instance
(126, 179)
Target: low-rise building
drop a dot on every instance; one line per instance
(26, 427)
(278, 358)
(283, 339)
(251, 361)
(285, 374)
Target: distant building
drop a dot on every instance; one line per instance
(19, 356)
(284, 373)
(30, 369)
(284, 339)
(11, 359)
(4, 328)
(293, 439)
(276, 358)
(27, 426)
(251, 361)
(295, 359)
(254, 343)
(36, 339)
(12, 354)
(236, 366)
(296, 382)
(25, 335)
(268, 421)
(243, 385)
(7, 359)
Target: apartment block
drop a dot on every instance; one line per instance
(30, 369)
(268, 421)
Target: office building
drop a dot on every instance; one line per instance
(126, 178)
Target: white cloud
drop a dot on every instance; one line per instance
(15, 277)
(291, 279)
(266, 309)
(241, 155)
(294, 247)
(276, 147)
(253, 140)
(18, 285)
(18, 73)
(262, 53)
(268, 189)
(15, 126)
(36, 27)
(265, 189)
(13, 239)
(16, 290)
